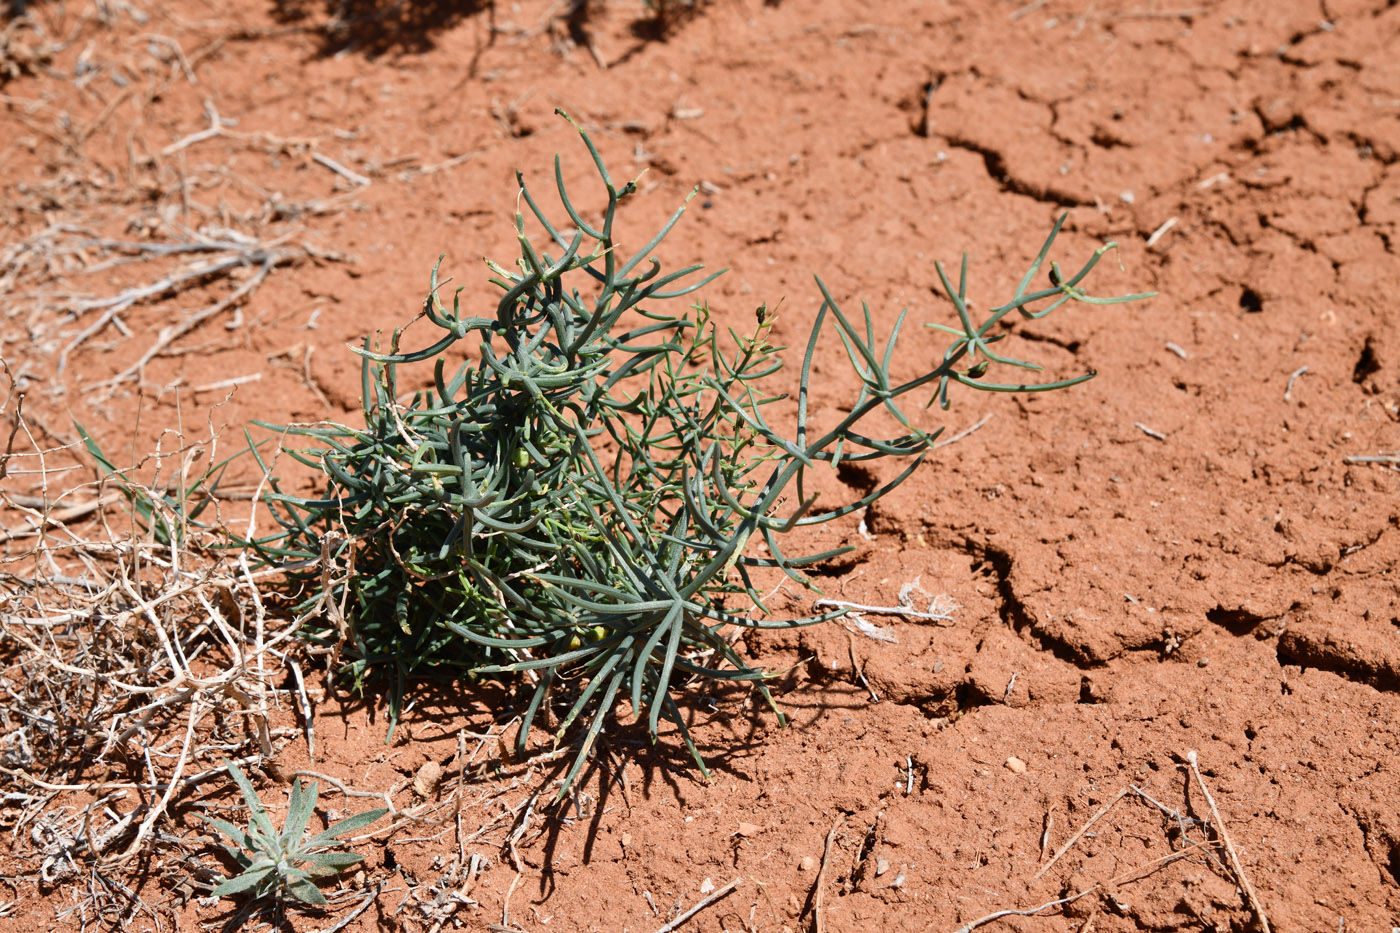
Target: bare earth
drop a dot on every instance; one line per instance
(1195, 551)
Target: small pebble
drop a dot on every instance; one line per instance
(881, 866)
(807, 864)
(1015, 765)
(1203, 662)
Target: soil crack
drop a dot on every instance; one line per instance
(1017, 616)
(1382, 846)
(997, 169)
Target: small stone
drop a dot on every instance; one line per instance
(881, 866)
(426, 782)
(749, 829)
(626, 840)
(1203, 662)
(707, 886)
(807, 864)
(1015, 765)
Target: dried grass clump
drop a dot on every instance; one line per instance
(136, 655)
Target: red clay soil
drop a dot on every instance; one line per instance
(1183, 554)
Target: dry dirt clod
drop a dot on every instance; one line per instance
(428, 779)
(1015, 765)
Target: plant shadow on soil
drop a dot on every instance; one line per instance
(729, 723)
(438, 709)
(379, 27)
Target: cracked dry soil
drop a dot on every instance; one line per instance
(1177, 555)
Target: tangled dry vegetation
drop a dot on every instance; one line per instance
(140, 655)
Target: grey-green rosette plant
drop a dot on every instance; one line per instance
(285, 864)
(581, 502)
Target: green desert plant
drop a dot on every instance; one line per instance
(582, 502)
(286, 864)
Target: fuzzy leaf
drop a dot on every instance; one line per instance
(347, 825)
(260, 821)
(238, 836)
(239, 858)
(302, 805)
(332, 861)
(249, 879)
(307, 893)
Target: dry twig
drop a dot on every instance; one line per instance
(1082, 830)
(701, 905)
(1224, 835)
(819, 890)
(1028, 912)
